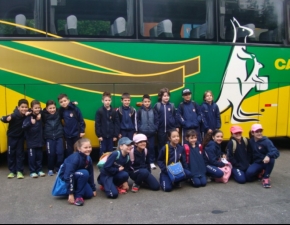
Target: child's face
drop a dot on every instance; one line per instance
(208, 97)
(237, 136)
(64, 102)
(86, 148)
(126, 148)
(141, 145)
(192, 140)
(126, 102)
(51, 109)
(186, 97)
(258, 134)
(174, 137)
(23, 108)
(165, 98)
(146, 102)
(36, 109)
(107, 102)
(218, 138)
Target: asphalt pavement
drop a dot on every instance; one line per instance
(30, 201)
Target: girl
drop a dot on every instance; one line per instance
(176, 153)
(211, 119)
(78, 173)
(239, 154)
(53, 133)
(264, 155)
(195, 160)
(212, 153)
(140, 170)
(166, 116)
(113, 174)
(32, 126)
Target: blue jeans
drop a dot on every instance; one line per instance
(82, 187)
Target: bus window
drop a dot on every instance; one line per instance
(22, 18)
(252, 21)
(92, 18)
(175, 19)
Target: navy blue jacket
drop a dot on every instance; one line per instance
(128, 120)
(74, 123)
(196, 163)
(112, 164)
(212, 154)
(107, 124)
(211, 118)
(242, 157)
(262, 148)
(15, 124)
(33, 132)
(141, 161)
(73, 163)
(176, 154)
(147, 125)
(188, 114)
(53, 128)
(166, 116)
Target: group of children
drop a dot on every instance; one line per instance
(199, 126)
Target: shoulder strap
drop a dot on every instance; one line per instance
(158, 106)
(166, 154)
(246, 141)
(131, 154)
(181, 107)
(234, 146)
(187, 151)
(172, 107)
(146, 151)
(194, 104)
(132, 110)
(120, 110)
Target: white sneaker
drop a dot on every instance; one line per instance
(152, 165)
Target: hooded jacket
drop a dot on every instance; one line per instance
(128, 120)
(166, 116)
(53, 128)
(188, 114)
(262, 148)
(15, 124)
(212, 154)
(211, 116)
(147, 121)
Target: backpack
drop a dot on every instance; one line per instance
(187, 151)
(158, 106)
(132, 157)
(120, 109)
(235, 144)
(104, 158)
(193, 103)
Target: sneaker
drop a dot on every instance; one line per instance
(135, 188)
(266, 183)
(11, 175)
(260, 175)
(102, 188)
(121, 190)
(152, 165)
(50, 173)
(33, 175)
(20, 175)
(41, 174)
(79, 202)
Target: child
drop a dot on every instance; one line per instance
(147, 122)
(140, 170)
(176, 153)
(188, 114)
(78, 173)
(114, 174)
(53, 135)
(264, 155)
(211, 114)
(127, 117)
(195, 160)
(15, 134)
(107, 125)
(32, 126)
(74, 124)
(239, 154)
(213, 154)
(166, 116)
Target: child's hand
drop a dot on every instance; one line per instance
(100, 139)
(33, 121)
(27, 113)
(266, 160)
(121, 168)
(95, 193)
(209, 131)
(38, 117)
(115, 139)
(8, 118)
(82, 134)
(120, 135)
(224, 156)
(71, 199)
(177, 129)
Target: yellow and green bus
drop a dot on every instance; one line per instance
(239, 49)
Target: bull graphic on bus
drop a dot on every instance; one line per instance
(237, 81)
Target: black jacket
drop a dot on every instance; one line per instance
(15, 124)
(52, 125)
(33, 132)
(141, 161)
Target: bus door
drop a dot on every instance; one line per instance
(283, 120)
(268, 109)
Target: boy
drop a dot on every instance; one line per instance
(15, 133)
(107, 125)
(127, 118)
(74, 124)
(188, 114)
(147, 121)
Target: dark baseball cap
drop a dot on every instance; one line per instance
(186, 91)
